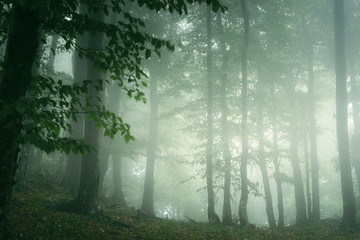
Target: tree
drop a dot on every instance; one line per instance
(147, 206)
(261, 153)
(213, 218)
(244, 111)
(351, 47)
(86, 200)
(347, 189)
(300, 205)
(16, 77)
(277, 173)
(312, 125)
(227, 216)
(71, 178)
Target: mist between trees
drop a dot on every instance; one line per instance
(237, 112)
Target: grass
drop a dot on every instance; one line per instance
(33, 216)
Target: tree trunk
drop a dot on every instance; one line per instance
(15, 79)
(276, 160)
(118, 194)
(71, 178)
(307, 177)
(147, 206)
(86, 200)
(52, 52)
(347, 189)
(301, 216)
(104, 163)
(312, 126)
(245, 148)
(114, 100)
(227, 216)
(354, 94)
(262, 160)
(212, 216)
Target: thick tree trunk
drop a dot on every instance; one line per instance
(354, 94)
(356, 119)
(16, 77)
(262, 160)
(104, 163)
(301, 216)
(347, 189)
(280, 203)
(213, 218)
(243, 217)
(86, 200)
(118, 194)
(147, 206)
(227, 216)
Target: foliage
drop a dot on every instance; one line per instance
(51, 102)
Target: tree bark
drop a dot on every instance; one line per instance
(354, 93)
(118, 194)
(52, 52)
(301, 216)
(312, 126)
(307, 177)
(347, 189)
(16, 77)
(280, 202)
(212, 216)
(243, 217)
(262, 160)
(227, 216)
(86, 200)
(147, 206)
(71, 178)
(104, 163)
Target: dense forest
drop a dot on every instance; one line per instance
(157, 116)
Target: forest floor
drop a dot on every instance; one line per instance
(33, 216)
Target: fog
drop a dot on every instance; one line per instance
(190, 134)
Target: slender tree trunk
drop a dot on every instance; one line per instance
(262, 160)
(277, 174)
(301, 216)
(312, 126)
(147, 206)
(245, 148)
(307, 176)
(347, 189)
(213, 218)
(227, 216)
(15, 79)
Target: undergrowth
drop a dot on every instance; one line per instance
(33, 216)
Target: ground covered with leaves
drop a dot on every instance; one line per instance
(33, 215)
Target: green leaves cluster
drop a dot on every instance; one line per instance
(49, 106)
